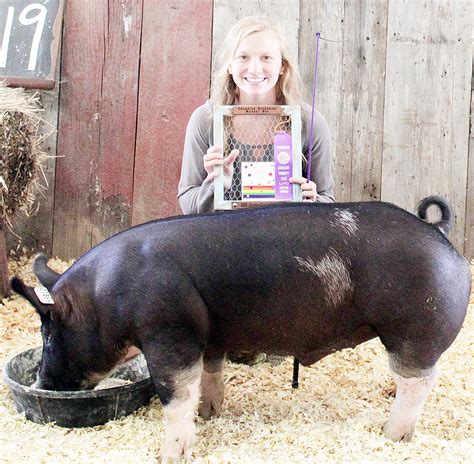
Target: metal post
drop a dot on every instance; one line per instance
(296, 370)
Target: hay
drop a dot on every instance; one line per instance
(335, 416)
(21, 159)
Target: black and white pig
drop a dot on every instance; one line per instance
(301, 280)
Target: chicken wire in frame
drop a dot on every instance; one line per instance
(259, 133)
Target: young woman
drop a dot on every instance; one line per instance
(255, 69)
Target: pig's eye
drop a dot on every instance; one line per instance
(48, 339)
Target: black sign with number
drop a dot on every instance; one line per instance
(29, 42)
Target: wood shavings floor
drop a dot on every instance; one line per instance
(335, 416)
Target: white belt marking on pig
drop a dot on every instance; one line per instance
(334, 274)
(345, 220)
(179, 414)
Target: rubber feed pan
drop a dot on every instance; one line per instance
(78, 408)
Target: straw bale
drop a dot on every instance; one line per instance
(21, 158)
(335, 416)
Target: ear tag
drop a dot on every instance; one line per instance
(43, 295)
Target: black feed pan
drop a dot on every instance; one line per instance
(81, 408)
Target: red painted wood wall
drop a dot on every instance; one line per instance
(132, 73)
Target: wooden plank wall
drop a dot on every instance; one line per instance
(174, 80)
(469, 233)
(125, 99)
(427, 101)
(394, 83)
(350, 78)
(79, 125)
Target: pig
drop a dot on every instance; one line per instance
(296, 279)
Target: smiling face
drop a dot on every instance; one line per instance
(256, 68)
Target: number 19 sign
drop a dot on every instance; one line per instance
(29, 42)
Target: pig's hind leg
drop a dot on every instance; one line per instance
(415, 340)
(412, 392)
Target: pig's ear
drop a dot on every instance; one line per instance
(44, 273)
(27, 292)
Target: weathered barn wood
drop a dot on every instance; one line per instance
(111, 189)
(326, 17)
(426, 120)
(394, 87)
(362, 102)
(174, 80)
(469, 230)
(79, 125)
(350, 76)
(97, 124)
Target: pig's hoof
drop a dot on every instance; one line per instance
(169, 460)
(175, 457)
(402, 432)
(178, 443)
(212, 395)
(210, 407)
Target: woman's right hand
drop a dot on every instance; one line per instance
(215, 157)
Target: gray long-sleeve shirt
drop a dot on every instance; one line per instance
(196, 194)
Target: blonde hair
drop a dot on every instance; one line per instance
(224, 91)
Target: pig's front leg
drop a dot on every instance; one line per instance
(176, 367)
(179, 413)
(212, 386)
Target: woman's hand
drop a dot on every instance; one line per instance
(308, 188)
(215, 157)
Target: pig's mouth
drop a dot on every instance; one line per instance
(88, 380)
(89, 383)
(42, 384)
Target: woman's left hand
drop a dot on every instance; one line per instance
(308, 188)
